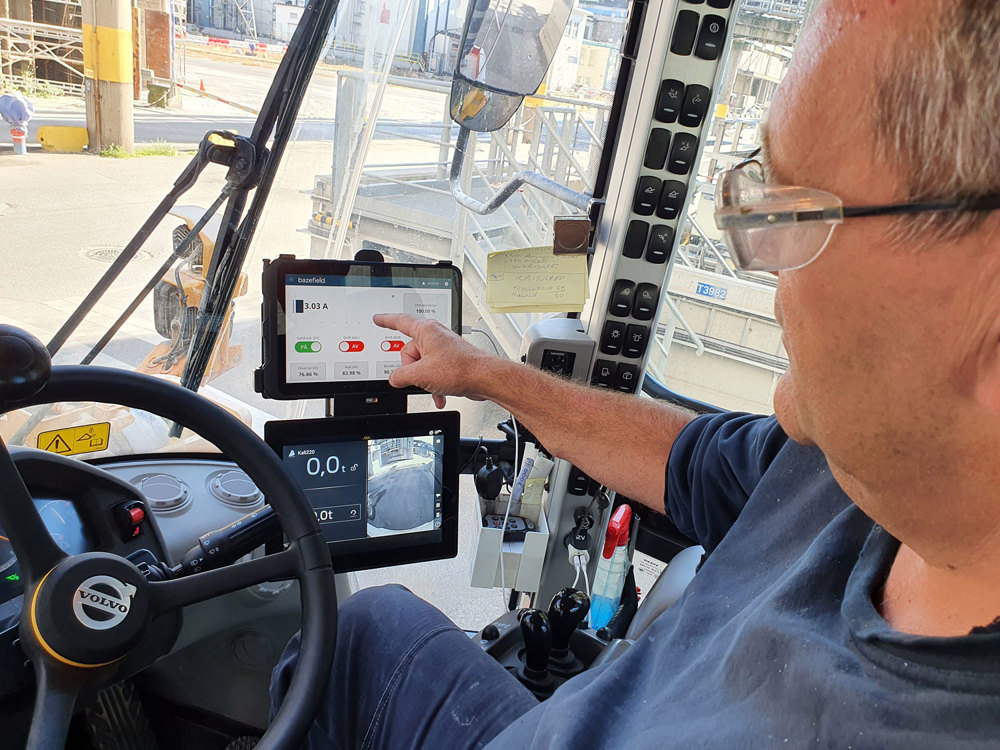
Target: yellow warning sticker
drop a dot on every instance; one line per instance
(70, 441)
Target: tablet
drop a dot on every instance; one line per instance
(318, 338)
(384, 489)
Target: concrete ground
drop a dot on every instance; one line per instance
(63, 217)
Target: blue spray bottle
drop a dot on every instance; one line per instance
(611, 569)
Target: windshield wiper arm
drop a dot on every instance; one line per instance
(278, 115)
(182, 184)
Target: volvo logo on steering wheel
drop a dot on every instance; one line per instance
(102, 602)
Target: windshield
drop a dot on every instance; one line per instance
(366, 168)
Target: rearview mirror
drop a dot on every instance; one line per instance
(507, 46)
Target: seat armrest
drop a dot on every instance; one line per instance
(666, 590)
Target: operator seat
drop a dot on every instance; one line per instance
(666, 590)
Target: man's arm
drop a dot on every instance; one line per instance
(621, 442)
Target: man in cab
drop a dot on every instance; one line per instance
(849, 597)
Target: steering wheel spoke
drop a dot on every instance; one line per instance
(56, 693)
(36, 551)
(180, 592)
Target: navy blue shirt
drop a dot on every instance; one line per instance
(777, 642)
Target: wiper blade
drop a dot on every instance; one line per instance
(278, 115)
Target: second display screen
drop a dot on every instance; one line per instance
(361, 489)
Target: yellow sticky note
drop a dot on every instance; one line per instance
(533, 279)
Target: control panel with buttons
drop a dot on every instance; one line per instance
(677, 68)
(672, 69)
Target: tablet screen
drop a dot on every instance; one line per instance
(330, 336)
(318, 337)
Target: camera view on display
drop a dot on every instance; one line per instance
(330, 335)
(371, 488)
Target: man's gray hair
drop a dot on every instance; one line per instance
(937, 112)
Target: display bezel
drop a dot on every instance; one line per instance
(271, 381)
(384, 551)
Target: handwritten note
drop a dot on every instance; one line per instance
(533, 279)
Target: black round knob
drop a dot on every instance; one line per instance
(568, 609)
(491, 632)
(25, 364)
(537, 640)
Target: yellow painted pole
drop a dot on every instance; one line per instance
(107, 70)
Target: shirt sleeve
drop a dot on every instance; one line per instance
(715, 464)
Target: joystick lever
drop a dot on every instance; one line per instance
(537, 634)
(567, 610)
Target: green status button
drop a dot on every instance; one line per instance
(307, 347)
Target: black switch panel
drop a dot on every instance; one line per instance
(695, 105)
(656, 149)
(604, 374)
(646, 297)
(560, 363)
(636, 339)
(578, 482)
(621, 298)
(612, 337)
(661, 239)
(627, 378)
(635, 238)
(711, 37)
(719, 3)
(685, 32)
(671, 199)
(669, 100)
(682, 153)
(647, 195)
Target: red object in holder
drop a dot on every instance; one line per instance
(618, 526)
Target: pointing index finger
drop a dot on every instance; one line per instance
(405, 324)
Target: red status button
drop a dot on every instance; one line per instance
(136, 515)
(392, 346)
(352, 346)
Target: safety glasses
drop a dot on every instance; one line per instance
(779, 227)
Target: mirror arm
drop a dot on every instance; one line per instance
(536, 180)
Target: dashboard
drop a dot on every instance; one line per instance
(188, 496)
(178, 498)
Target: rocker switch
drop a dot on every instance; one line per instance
(695, 105)
(711, 37)
(646, 297)
(668, 103)
(621, 298)
(685, 31)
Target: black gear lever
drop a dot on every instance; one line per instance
(568, 609)
(534, 669)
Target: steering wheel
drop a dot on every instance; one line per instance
(69, 655)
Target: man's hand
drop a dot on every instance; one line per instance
(437, 360)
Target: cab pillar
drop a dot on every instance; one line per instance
(107, 69)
